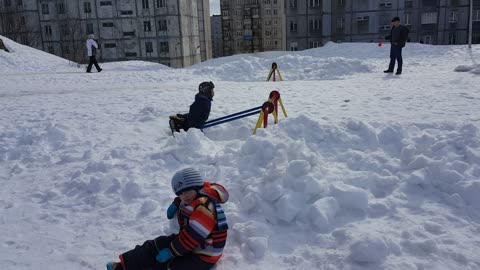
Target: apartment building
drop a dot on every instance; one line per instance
(172, 32)
(253, 25)
(205, 29)
(217, 36)
(312, 23)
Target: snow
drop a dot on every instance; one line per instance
(369, 171)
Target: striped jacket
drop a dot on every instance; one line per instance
(203, 226)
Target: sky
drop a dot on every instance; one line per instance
(214, 7)
(365, 171)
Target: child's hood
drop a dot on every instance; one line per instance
(215, 191)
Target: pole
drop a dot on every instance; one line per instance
(470, 25)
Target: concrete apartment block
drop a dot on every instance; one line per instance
(172, 32)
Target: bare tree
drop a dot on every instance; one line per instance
(13, 26)
(72, 39)
(10, 22)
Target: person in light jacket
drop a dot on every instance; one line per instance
(92, 47)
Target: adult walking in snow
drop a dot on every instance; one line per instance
(92, 47)
(203, 229)
(398, 37)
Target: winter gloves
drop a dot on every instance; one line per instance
(164, 255)
(173, 208)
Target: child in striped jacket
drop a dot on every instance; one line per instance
(203, 229)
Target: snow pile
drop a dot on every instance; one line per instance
(369, 171)
(23, 59)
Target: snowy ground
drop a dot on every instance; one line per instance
(369, 171)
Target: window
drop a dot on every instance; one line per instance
(60, 8)
(386, 4)
(161, 3)
(225, 13)
(293, 46)
(315, 44)
(45, 9)
(453, 17)
(22, 21)
(66, 49)
(110, 45)
(452, 38)
(268, 33)
(126, 12)
(406, 19)
(8, 3)
(429, 18)
(64, 29)
(427, 39)
(107, 24)
(268, 43)
(87, 7)
(293, 26)
(129, 34)
(48, 30)
(19, 3)
(149, 47)
(268, 22)
(266, 2)
(147, 27)
(340, 3)
(408, 4)
(164, 47)
(476, 38)
(51, 50)
(130, 54)
(476, 15)
(293, 3)
(105, 3)
(314, 3)
(145, 4)
(89, 28)
(340, 23)
(314, 24)
(162, 25)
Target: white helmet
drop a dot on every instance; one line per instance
(186, 179)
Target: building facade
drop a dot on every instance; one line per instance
(250, 26)
(263, 25)
(205, 29)
(217, 36)
(172, 32)
(312, 23)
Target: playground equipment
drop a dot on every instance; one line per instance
(268, 107)
(274, 70)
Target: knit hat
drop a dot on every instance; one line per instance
(207, 89)
(186, 179)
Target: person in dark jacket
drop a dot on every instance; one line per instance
(203, 229)
(398, 38)
(199, 110)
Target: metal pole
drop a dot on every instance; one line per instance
(470, 25)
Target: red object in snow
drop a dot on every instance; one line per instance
(380, 44)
